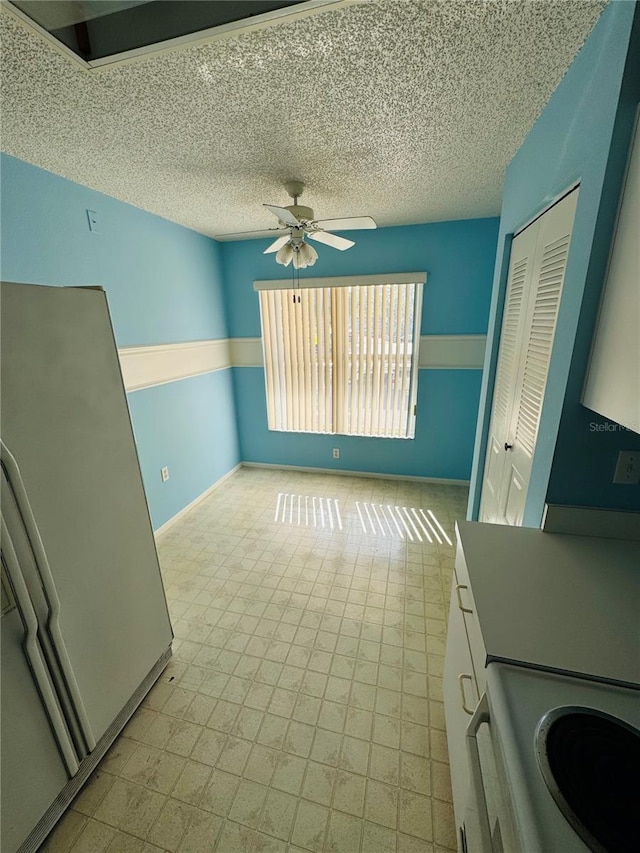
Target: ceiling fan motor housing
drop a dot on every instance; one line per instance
(301, 212)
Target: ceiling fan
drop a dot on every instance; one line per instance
(297, 221)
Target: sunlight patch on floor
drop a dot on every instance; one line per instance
(401, 522)
(308, 511)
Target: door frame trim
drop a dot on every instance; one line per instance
(548, 205)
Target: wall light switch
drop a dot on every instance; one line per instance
(164, 473)
(628, 468)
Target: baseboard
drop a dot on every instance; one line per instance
(341, 472)
(370, 474)
(164, 527)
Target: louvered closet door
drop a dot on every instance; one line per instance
(513, 318)
(534, 293)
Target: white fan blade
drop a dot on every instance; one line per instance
(251, 235)
(277, 244)
(331, 240)
(283, 214)
(351, 223)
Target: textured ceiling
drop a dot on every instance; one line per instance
(405, 111)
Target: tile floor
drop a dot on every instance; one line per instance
(302, 710)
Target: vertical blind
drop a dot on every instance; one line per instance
(342, 359)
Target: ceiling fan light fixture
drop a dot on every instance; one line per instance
(299, 261)
(296, 250)
(303, 254)
(285, 255)
(308, 254)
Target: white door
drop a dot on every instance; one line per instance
(534, 288)
(522, 251)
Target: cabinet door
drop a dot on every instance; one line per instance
(460, 690)
(613, 381)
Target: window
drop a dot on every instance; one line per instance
(341, 355)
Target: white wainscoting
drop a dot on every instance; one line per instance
(246, 352)
(437, 352)
(144, 367)
(454, 352)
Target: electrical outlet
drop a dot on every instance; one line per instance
(336, 453)
(164, 473)
(628, 468)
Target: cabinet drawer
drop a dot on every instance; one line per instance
(462, 596)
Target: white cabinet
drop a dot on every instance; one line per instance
(530, 599)
(612, 386)
(464, 682)
(460, 697)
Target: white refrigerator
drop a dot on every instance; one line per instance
(85, 626)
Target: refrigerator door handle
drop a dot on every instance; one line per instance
(16, 482)
(34, 654)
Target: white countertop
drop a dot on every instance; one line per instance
(569, 603)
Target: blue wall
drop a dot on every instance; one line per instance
(583, 135)
(458, 258)
(162, 280)
(442, 448)
(189, 426)
(163, 284)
